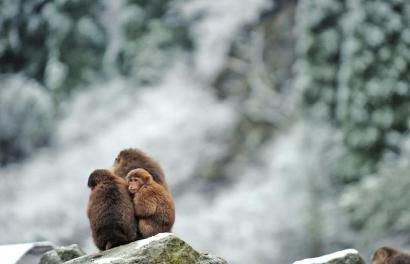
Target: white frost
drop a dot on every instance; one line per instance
(327, 258)
(106, 260)
(146, 241)
(10, 254)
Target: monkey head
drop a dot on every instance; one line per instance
(137, 178)
(381, 255)
(99, 176)
(125, 161)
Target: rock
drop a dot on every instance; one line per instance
(61, 255)
(348, 256)
(27, 253)
(162, 248)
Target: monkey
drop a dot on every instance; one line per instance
(389, 255)
(110, 210)
(129, 159)
(153, 203)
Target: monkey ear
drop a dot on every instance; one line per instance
(148, 179)
(381, 254)
(388, 252)
(384, 253)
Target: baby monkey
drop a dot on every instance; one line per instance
(153, 204)
(389, 255)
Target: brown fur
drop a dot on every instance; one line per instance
(389, 255)
(129, 159)
(110, 210)
(153, 204)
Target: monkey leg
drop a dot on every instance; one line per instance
(108, 246)
(148, 228)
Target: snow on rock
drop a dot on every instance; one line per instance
(143, 242)
(106, 260)
(12, 254)
(340, 257)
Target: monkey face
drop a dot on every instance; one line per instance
(376, 258)
(386, 255)
(134, 184)
(137, 178)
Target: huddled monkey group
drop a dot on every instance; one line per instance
(130, 201)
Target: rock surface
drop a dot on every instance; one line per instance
(61, 255)
(348, 256)
(162, 248)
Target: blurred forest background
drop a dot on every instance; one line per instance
(282, 126)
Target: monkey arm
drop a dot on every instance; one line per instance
(146, 205)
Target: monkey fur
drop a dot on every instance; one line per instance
(110, 210)
(389, 255)
(129, 159)
(153, 203)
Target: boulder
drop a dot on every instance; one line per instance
(162, 248)
(61, 254)
(348, 256)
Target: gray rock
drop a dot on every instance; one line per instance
(162, 248)
(348, 256)
(61, 254)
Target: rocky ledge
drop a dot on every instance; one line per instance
(162, 248)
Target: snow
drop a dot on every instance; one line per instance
(10, 254)
(107, 260)
(146, 241)
(327, 258)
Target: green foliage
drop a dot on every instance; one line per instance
(153, 38)
(318, 31)
(353, 71)
(374, 81)
(353, 61)
(26, 117)
(64, 44)
(386, 198)
(58, 43)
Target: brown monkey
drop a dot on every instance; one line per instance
(129, 159)
(388, 255)
(110, 210)
(152, 202)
